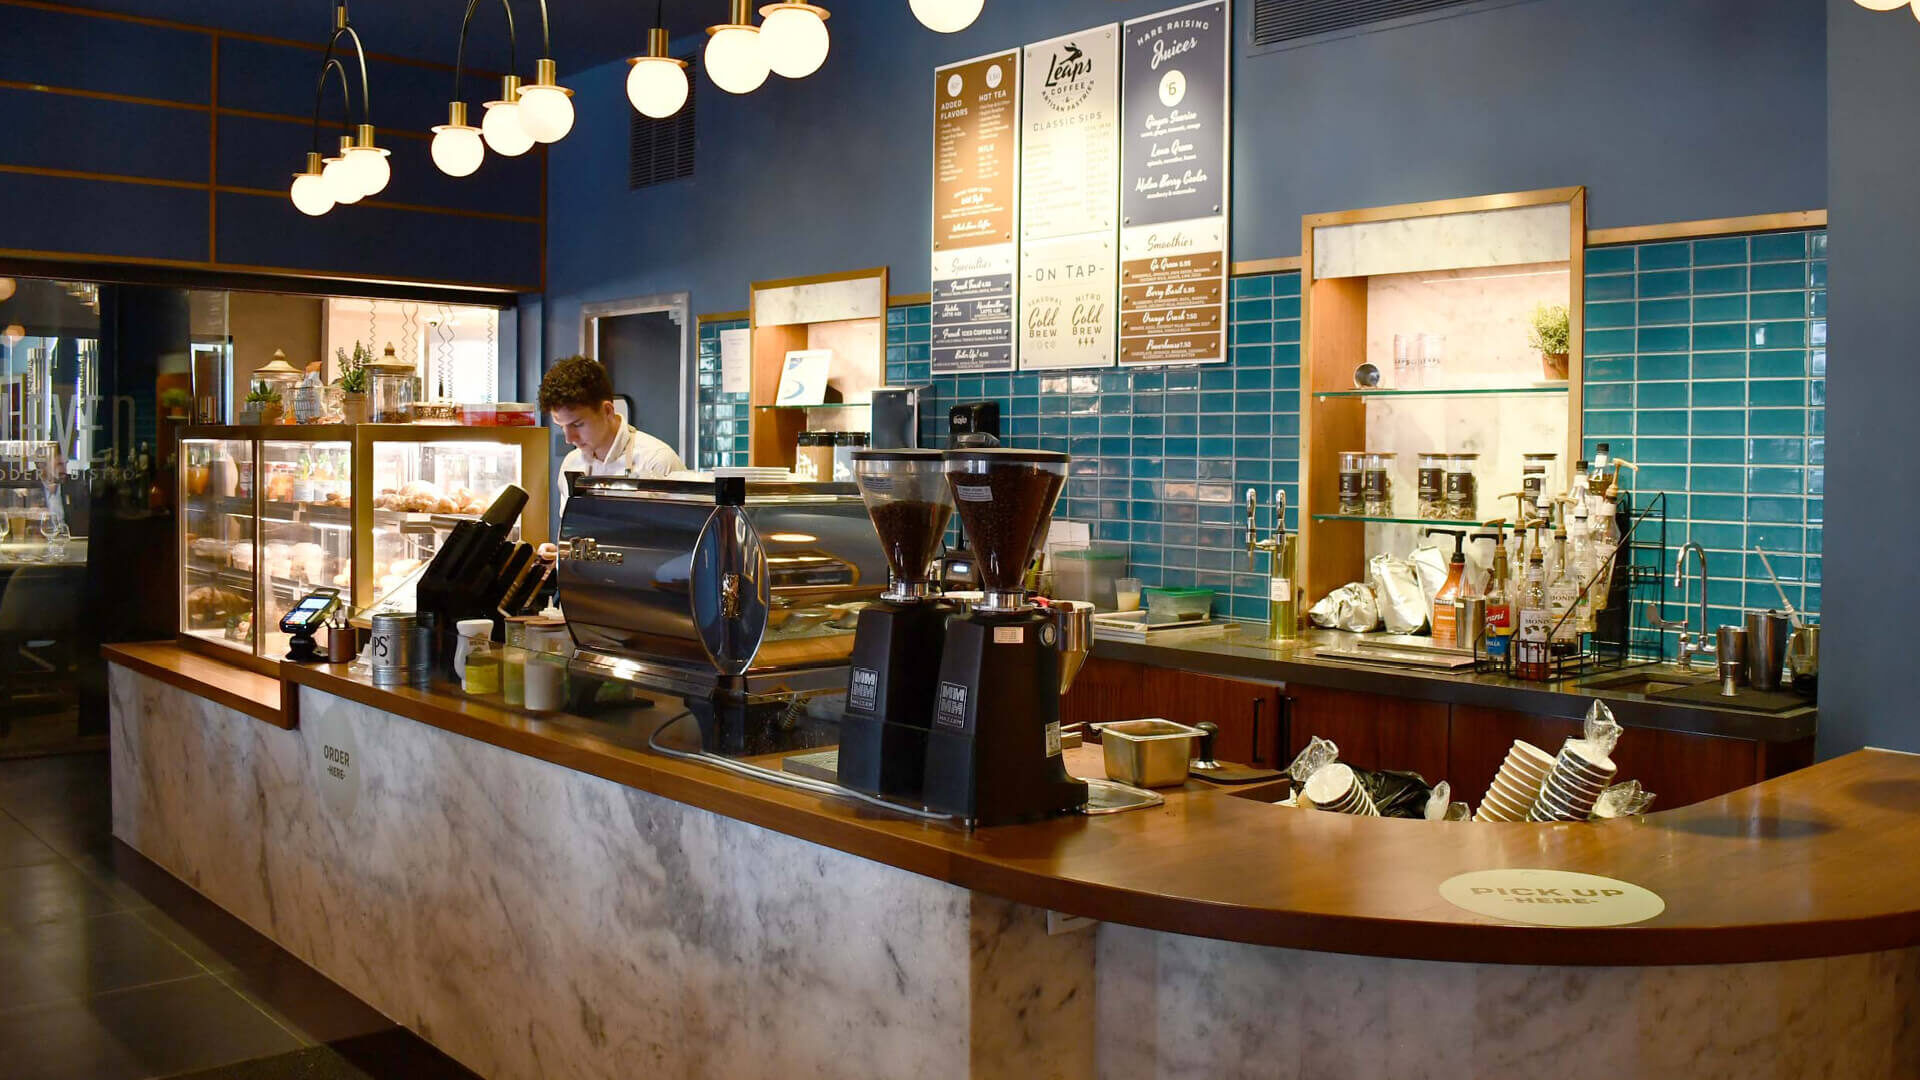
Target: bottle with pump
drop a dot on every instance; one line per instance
(1563, 596)
(1500, 623)
(1445, 624)
(1580, 551)
(1532, 620)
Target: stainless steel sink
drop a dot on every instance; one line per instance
(1647, 682)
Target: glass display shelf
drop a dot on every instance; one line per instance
(1445, 391)
(1371, 520)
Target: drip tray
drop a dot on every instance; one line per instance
(1111, 797)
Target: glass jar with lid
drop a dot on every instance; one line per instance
(1377, 483)
(278, 376)
(1433, 484)
(1463, 487)
(1536, 477)
(390, 382)
(1353, 466)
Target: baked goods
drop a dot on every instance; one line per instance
(210, 605)
(208, 549)
(421, 497)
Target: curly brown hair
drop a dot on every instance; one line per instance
(576, 382)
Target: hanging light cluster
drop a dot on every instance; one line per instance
(360, 167)
(523, 114)
(946, 16)
(1890, 5)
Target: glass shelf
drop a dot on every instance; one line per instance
(1456, 391)
(804, 408)
(1438, 523)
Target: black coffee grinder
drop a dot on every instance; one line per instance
(993, 755)
(896, 647)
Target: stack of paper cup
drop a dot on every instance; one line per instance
(1580, 774)
(1517, 785)
(1335, 788)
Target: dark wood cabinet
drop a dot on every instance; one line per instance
(1373, 731)
(1249, 714)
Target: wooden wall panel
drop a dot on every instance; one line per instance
(1372, 731)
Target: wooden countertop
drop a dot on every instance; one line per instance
(1809, 864)
(263, 697)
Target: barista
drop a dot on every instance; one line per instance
(578, 395)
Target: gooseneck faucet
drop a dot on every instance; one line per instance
(1692, 645)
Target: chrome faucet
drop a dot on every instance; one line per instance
(1690, 644)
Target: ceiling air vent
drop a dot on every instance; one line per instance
(661, 150)
(1279, 21)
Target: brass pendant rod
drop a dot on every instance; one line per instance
(513, 42)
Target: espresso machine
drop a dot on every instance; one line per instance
(895, 666)
(993, 750)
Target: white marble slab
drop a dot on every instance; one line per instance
(1521, 234)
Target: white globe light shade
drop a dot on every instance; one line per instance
(340, 182)
(7, 285)
(794, 40)
(457, 150)
(503, 130)
(657, 87)
(369, 169)
(1880, 5)
(736, 61)
(310, 195)
(946, 16)
(545, 112)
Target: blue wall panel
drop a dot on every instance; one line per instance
(257, 230)
(104, 218)
(94, 135)
(264, 77)
(86, 53)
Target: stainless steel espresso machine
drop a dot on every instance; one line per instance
(731, 599)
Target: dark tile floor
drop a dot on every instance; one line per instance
(112, 969)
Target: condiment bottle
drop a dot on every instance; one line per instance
(482, 678)
(1530, 655)
(1499, 612)
(1445, 628)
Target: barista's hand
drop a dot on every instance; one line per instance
(547, 552)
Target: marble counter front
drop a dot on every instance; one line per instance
(533, 918)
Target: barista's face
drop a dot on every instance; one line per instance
(588, 427)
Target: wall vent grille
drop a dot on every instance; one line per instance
(662, 150)
(1278, 21)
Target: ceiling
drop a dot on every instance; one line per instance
(585, 32)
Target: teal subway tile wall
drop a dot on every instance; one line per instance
(1705, 366)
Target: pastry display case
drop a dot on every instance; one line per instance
(270, 513)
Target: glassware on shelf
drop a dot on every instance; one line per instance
(1536, 478)
(1463, 487)
(1353, 465)
(1433, 356)
(1407, 362)
(1433, 484)
(390, 382)
(1377, 483)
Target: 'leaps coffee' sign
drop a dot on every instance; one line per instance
(1174, 163)
(1552, 897)
(976, 173)
(1069, 200)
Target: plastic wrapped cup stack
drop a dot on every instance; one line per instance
(1336, 789)
(1517, 785)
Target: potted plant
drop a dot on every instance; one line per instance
(1550, 334)
(174, 402)
(353, 381)
(263, 405)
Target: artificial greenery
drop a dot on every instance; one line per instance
(263, 395)
(353, 369)
(175, 398)
(1550, 331)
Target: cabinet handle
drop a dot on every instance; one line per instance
(1256, 757)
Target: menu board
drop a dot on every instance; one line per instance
(1174, 163)
(976, 154)
(1069, 199)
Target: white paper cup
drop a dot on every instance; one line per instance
(1529, 752)
(1520, 794)
(1331, 786)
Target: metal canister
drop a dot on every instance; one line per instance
(1469, 621)
(342, 644)
(392, 647)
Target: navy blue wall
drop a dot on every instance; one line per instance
(174, 134)
(1873, 490)
(1667, 111)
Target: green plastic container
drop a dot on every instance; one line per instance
(1182, 604)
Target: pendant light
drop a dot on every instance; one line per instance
(735, 59)
(457, 149)
(1881, 5)
(656, 82)
(545, 109)
(793, 34)
(946, 16)
(361, 167)
(501, 121)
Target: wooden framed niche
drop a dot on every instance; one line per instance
(1459, 279)
(845, 312)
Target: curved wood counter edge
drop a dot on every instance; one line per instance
(262, 697)
(1805, 865)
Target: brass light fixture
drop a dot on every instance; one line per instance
(361, 169)
(522, 115)
(736, 59)
(793, 34)
(656, 82)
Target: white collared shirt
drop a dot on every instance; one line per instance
(633, 453)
